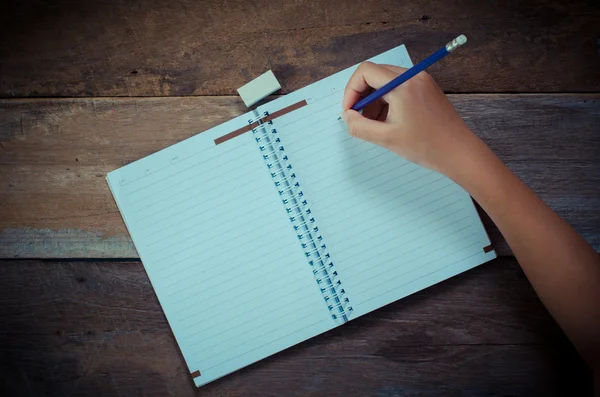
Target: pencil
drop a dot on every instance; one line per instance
(419, 67)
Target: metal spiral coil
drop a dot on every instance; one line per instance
(300, 215)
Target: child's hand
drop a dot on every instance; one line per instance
(415, 120)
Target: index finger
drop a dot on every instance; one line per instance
(367, 75)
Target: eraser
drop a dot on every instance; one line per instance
(259, 88)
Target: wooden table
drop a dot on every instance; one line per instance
(90, 86)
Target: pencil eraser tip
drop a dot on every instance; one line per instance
(462, 39)
(259, 88)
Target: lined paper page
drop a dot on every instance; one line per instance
(391, 226)
(220, 251)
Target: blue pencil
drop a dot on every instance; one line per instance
(419, 67)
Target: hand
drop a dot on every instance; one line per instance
(415, 120)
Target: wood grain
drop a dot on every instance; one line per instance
(188, 47)
(73, 328)
(54, 200)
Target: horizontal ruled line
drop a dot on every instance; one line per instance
(404, 243)
(230, 285)
(411, 211)
(297, 320)
(294, 281)
(400, 256)
(184, 190)
(219, 254)
(216, 324)
(247, 151)
(261, 215)
(426, 275)
(155, 170)
(266, 344)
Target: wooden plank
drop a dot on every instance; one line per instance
(97, 328)
(54, 201)
(152, 48)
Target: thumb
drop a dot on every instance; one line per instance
(364, 128)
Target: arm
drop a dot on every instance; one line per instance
(417, 121)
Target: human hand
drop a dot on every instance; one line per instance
(415, 120)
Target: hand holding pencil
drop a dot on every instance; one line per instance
(413, 119)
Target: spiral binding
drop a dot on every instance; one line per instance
(304, 223)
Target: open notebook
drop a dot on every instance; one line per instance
(277, 226)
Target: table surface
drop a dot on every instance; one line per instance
(87, 87)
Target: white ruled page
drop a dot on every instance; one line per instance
(392, 228)
(220, 252)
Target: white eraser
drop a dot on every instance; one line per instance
(260, 87)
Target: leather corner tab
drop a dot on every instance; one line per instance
(196, 374)
(488, 248)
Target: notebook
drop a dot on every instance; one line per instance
(277, 226)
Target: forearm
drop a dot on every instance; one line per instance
(562, 267)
